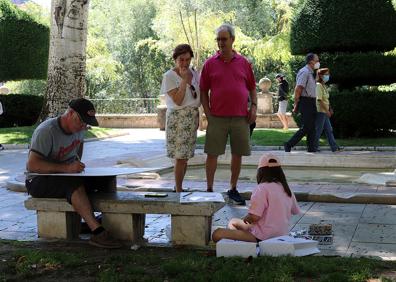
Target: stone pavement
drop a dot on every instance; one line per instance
(360, 229)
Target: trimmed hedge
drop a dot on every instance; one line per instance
(354, 69)
(363, 113)
(24, 45)
(343, 25)
(20, 110)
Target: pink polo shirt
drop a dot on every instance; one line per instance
(229, 84)
(274, 207)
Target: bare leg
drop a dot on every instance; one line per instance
(82, 206)
(180, 170)
(285, 122)
(280, 118)
(211, 166)
(236, 162)
(240, 235)
(238, 224)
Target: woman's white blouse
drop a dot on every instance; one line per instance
(171, 80)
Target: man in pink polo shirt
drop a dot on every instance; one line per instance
(227, 81)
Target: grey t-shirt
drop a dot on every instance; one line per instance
(305, 79)
(55, 145)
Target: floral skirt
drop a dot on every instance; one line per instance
(181, 132)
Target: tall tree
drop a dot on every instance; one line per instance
(66, 64)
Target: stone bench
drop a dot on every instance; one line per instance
(123, 214)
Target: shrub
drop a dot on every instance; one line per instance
(354, 69)
(20, 110)
(363, 113)
(23, 46)
(339, 25)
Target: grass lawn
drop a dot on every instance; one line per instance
(276, 137)
(22, 135)
(62, 261)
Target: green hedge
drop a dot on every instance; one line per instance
(343, 25)
(348, 70)
(354, 69)
(363, 113)
(24, 45)
(20, 110)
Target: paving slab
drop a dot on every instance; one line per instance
(4, 224)
(337, 208)
(19, 236)
(384, 214)
(375, 233)
(359, 229)
(381, 251)
(330, 217)
(225, 214)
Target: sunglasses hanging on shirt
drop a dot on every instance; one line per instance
(193, 92)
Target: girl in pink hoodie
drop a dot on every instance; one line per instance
(271, 206)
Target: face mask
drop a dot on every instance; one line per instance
(317, 65)
(326, 78)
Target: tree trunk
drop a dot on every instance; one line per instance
(66, 62)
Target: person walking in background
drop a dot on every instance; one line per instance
(305, 103)
(324, 110)
(181, 88)
(271, 206)
(283, 92)
(229, 78)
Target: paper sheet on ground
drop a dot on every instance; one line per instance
(102, 171)
(197, 197)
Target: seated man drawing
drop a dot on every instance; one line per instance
(57, 147)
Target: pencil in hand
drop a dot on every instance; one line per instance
(81, 163)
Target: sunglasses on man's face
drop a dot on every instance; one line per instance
(82, 123)
(193, 92)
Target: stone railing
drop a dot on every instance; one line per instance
(126, 105)
(150, 113)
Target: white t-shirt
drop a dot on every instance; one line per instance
(171, 80)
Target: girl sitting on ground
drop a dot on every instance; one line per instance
(271, 206)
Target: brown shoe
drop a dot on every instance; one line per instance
(104, 240)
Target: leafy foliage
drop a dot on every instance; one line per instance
(30, 86)
(130, 42)
(23, 45)
(132, 63)
(103, 71)
(338, 25)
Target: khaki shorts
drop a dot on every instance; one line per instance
(219, 128)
